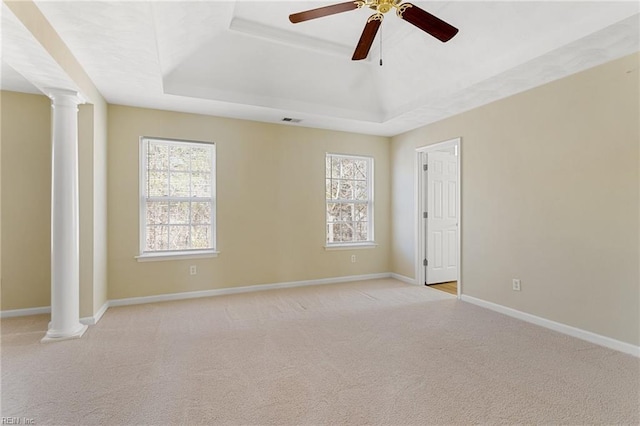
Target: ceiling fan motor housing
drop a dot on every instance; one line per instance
(383, 6)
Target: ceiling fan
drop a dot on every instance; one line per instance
(407, 11)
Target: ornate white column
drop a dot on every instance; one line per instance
(65, 254)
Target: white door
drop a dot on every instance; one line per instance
(442, 218)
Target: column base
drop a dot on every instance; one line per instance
(57, 336)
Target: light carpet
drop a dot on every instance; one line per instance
(370, 352)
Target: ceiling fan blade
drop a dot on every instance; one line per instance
(426, 22)
(367, 37)
(324, 11)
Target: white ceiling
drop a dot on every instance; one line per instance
(244, 59)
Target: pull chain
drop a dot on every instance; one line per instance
(380, 45)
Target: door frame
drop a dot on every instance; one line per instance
(419, 199)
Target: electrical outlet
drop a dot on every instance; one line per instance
(193, 270)
(353, 258)
(516, 284)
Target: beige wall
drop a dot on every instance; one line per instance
(26, 203)
(267, 212)
(0, 202)
(85, 201)
(26, 200)
(270, 197)
(550, 195)
(92, 159)
(100, 236)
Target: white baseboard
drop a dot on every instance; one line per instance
(245, 289)
(556, 326)
(25, 312)
(403, 278)
(47, 310)
(101, 311)
(93, 320)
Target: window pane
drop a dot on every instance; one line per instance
(180, 157)
(338, 232)
(347, 211)
(347, 171)
(201, 184)
(157, 238)
(346, 232)
(345, 190)
(179, 213)
(335, 189)
(157, 212)
(335, 186)
(361, 192)
(179, 237)
(362, 231)
(157, 156)
(360, 212)
(360, 169)
(158, 184)
(200, 237)
(335, 167)
(201, 159)
(200, 213)
(179, 184)
(333, 212)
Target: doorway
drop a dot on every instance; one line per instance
(438, 216)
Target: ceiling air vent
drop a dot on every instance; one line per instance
(291, 120)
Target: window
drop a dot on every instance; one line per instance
(349, 199)
(177, 197)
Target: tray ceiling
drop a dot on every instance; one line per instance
(246, 60)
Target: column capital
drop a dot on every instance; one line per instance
(64, 96)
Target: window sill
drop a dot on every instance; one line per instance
(354, 246)
(176, 255)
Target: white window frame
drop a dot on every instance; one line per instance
(173, 254)
(345, 245)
